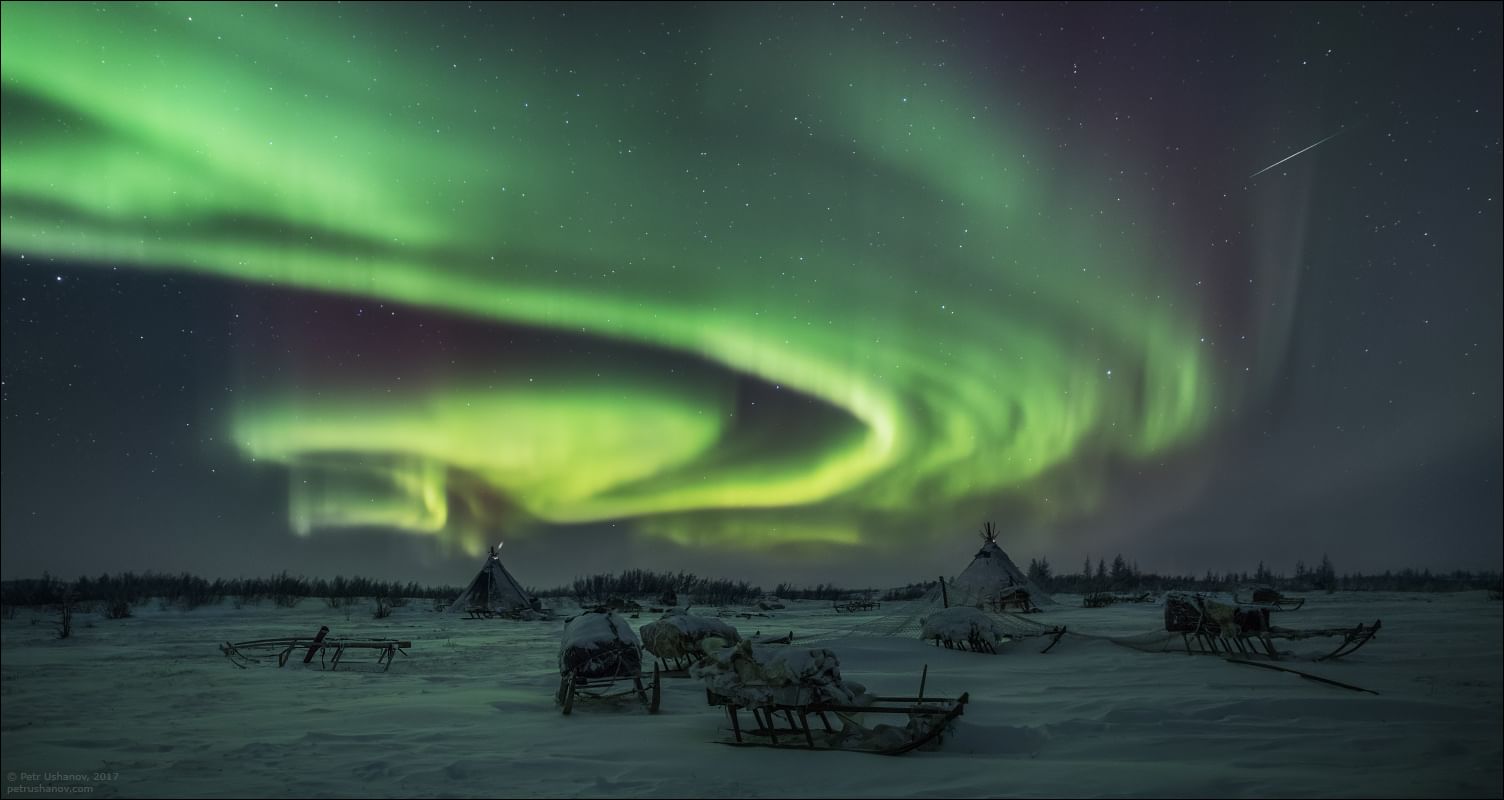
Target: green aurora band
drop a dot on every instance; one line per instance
(817, 212)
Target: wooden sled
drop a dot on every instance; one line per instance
(1265, 597)
(973, 630)
(1013, 600)
(673, 666)
(854, 606)
(788, 725)
(978, 644)
(329, 651)
(1105, 599)
(973, 644)
(677, 640)
(482, 612)
(678, 666)
(605, 662)
(772, 638)
(1206, 626)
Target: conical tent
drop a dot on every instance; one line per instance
(495, 590)
(992, 571)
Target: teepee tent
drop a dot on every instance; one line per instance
(494, 590)
(992, 572)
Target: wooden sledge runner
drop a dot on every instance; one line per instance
(575, 685)
(793, 729)
(329, 651)
(1306, 675)
(1206, 626)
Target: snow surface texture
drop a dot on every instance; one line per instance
(963, 624)
(470, 711)
(678, 634)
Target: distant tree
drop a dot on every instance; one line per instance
(65, 616)
(1122, 576)
(1039, 571)
(1326, 575)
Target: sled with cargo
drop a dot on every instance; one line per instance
(974, 630)
(1208, 626)
(600, 658)
(796, 698)
(678, 638)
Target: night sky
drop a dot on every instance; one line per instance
(795, 292)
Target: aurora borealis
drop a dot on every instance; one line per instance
(828, 278)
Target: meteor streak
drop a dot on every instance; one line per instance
(1294, 154)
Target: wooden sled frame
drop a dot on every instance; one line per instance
(1017, 604)
(1280, 603)
(1105, 599)
(674, 666)
(1207, 637)
(242, 654)
(794, 729)
(481, 612)
(574, 685)
(977, 644)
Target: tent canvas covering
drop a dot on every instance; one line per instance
(990, 573)
(495, 590)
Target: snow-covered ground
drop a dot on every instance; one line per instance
(151, 703)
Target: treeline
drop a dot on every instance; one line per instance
(1125, 576)
(688, 588)
(116, 594)
(191, 591)
(823, 591)
(912, 591)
